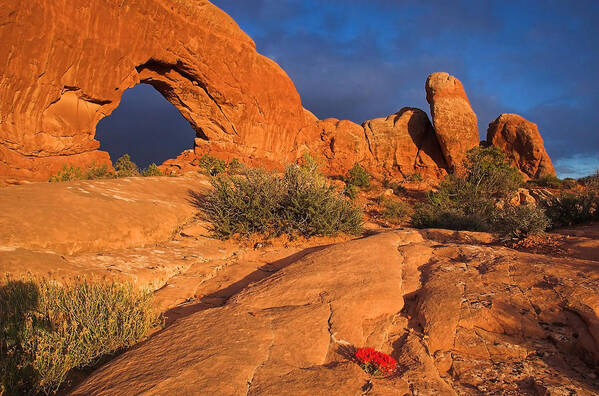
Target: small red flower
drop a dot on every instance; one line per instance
(375, 362)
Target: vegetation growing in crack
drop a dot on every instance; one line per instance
(124, 167)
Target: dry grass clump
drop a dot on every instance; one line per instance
(46, 330)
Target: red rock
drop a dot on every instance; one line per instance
(458, 316)
(453, 118)
(522, 143)
(56, 86)
(405, 143)
(344, 144)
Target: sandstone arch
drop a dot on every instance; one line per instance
(68, 63)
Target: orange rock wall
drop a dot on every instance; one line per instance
(67, 64)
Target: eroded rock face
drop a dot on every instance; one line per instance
(453, 118)
(343, 144)
(522, 143)
(459, 317)
(68, 63)
(405, 142)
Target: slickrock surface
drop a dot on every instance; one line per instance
(406, 142)
(95, 215)
(459, 316)
(522, 143)
(68, 63)
(453, 118)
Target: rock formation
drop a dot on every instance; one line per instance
(67, 66)
(405, 142)
(522, 143)
(68, 63)
(343, 144)
(454, 120)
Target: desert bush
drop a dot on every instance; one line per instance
(311, 206)
(552, 181)
(395, 210)
(301, 201)
(469, 201)
(427, 215)
(235, 167)
(211, 165)
(68, 173)
(490, 173)
(98, 172)
(152, 170)
(414, 177)
(125, 167)
(573, 208)
(47, 330)
(243, 204)
(358, 176)
(350, 191)
(591, 182)
(520, 221)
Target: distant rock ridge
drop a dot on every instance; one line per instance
(56, 87)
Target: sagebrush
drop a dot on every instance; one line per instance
(477, 199)
(299, 202)
(358, 176)
(46, 330)
(395, 210)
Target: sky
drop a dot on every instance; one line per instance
(362, 59)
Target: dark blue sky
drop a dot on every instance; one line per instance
(361, 59)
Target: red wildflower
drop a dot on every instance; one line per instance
(375, 362)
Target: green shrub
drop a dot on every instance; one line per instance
(591, 182)
(395, 210)
(414, 177)
(573, 208)
(569, 182)
(521, 221)
(358, 176)
(311, 206)
(453, 218)
(211, 165)
(490, 173)
(152, 170)
(98, 172)
(235, 167)
(125, 167)
(68, 173)
(243, 204)
(301, 201)
(350, 191)
(551, 181)
(46, 330)
(470, 201)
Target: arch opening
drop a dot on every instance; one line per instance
(146, 126)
